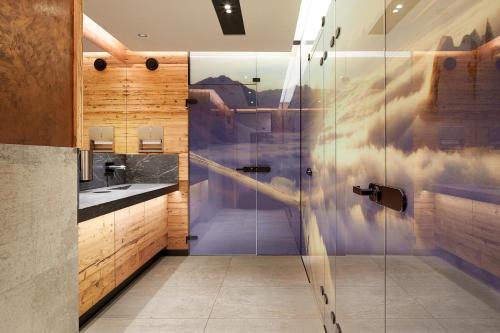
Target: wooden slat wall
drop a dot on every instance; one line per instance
(128, 96)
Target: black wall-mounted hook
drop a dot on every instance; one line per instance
(337, 32)
(100, 64)
(152, 64)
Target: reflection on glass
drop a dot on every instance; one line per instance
(238, 123)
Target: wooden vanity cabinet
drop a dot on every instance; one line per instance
(114, 246)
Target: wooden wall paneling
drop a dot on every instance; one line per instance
(104, 99)
(158, 98)
(178, 217)
(132, 96)
(129, 230)
(155, 228)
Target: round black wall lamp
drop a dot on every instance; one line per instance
(450, 63)
(100, 64)
(152, 64)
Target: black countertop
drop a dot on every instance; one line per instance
(100, 201)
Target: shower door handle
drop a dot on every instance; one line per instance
(260, 169)
(391, 197)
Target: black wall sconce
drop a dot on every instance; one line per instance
(450, 63)
(152, 64)
(100, 64)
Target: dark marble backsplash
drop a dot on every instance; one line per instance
(150, 169)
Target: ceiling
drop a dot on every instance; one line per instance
(192, 25)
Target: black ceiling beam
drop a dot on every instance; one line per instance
(231, 24)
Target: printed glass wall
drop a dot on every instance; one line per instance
(406, 96)
(241, 122)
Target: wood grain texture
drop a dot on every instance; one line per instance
(178, 217)
(78, 72)
(129, 231)
(36, 72)
(96, 240)
(155, 229)
(113, 246)
(128, 96)
(96, 282)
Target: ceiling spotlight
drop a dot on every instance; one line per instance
(229, 11)
(395, 11)
(227, 7)
(399, 6)
(142, 35)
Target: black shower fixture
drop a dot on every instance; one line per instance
(152, 64)
(100, 64)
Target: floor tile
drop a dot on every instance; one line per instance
(266, 272)
(264, 325)
(414, 326)
(168, 303)
(125, 325)
(466, 325)
(265, 302)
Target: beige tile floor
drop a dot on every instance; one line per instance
(396, 294)
(217, 295)
(421, 295)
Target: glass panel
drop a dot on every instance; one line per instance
(223, 67)
(360, 150)
(278, 137)
(315, 219)
(222, 139)
(443, 119)
(330, 195)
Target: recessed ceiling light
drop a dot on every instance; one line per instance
(228, 6)
(399, 6)
(395, 11)
(142, 35)
(229, 11)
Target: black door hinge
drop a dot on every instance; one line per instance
(190, 238)
(190, 101)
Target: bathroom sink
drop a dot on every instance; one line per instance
(126, 187)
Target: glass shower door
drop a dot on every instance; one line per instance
(223, 152)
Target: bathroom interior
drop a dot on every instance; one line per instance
(250, 166)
